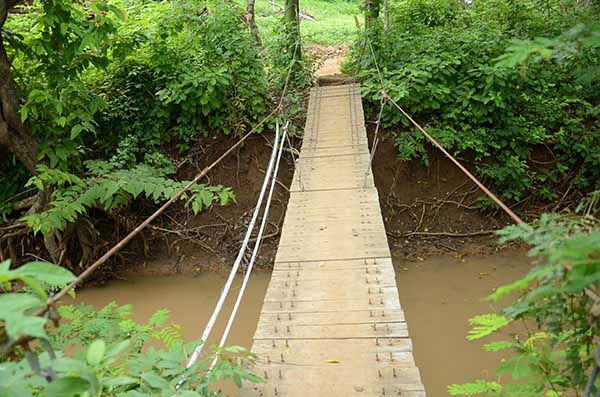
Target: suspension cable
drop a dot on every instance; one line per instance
(375, 139)
(240, 255)
(257, 246)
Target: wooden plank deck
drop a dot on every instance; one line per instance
(331, 323)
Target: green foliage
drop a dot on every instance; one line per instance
(16, 309)
(154, 71)
(473, 389)
(557, 358)
(100, 352)
(192, 71)
(85, 324)
(61, 39)
(523, 109)
(109, 188)
(118, 82)
(485, 325)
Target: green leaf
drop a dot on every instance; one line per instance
(68, 364)
(497, 346)
(485, 325)
(46, 272)
(159, 317)
(35, 286)
(24, 113)
(472, 389)
(120, 381)
(118, 348)
(18, 324)
(95, 352)
(68, 386)
(76, 131)
(155, 381)
(207, 198)
(223, 197)
(17, 303)
(196, 206)
(4, 266)
(15, 391)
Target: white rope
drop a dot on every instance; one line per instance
(261, 230)
(296, 159)
(375, 140)
(238, 259)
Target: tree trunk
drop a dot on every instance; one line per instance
(372, 9)
(292, 22)
(15, 136)
(251, 21)
(13, 133)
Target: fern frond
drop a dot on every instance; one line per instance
(473, 389)
(159, 317)
(171, 335)
(110, 189)
(485, 325)
(497, 346)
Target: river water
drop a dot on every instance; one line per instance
(438, 295)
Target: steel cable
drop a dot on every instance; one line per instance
(240, 255)
(256, 246)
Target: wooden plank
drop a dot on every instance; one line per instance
(333, 331)
(333, 317)
(341, 304)
(347, 349)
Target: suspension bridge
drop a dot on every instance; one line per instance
(332, 323)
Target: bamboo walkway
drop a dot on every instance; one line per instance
(331, 323)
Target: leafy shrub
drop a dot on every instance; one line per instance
(105, 356)
(193, 72)
(445, 63)
(52, 47)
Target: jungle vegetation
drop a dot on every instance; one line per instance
(101, 100)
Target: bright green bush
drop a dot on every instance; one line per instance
(191, 73)
(444, 63)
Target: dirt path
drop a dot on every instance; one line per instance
(329, 59)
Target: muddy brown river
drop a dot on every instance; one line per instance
(438, 295)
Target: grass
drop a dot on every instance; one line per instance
(335, 20)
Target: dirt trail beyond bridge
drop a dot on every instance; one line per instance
(331, 323)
